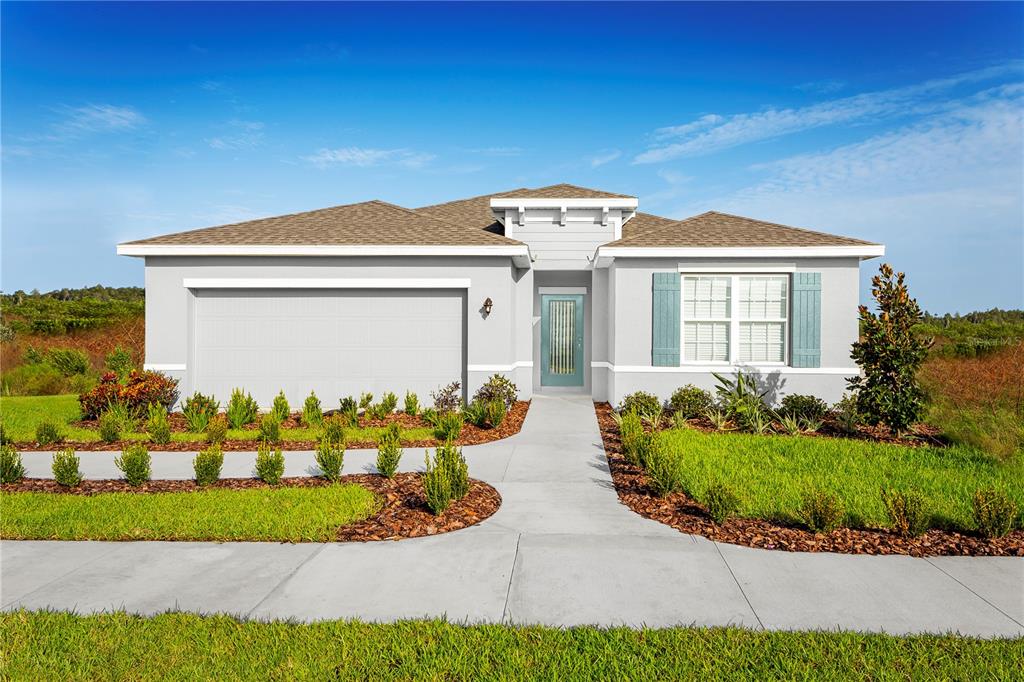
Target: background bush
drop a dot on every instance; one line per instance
(65, 468)
(498, 387)
(158, 425)
(137, 392)
(412, 404)
(109, 427)
(495, 412)
(135, 463)
(242, 409)
(270, 429)
(448, 426)
(806, 406)
(641, 403)
(48, 432)
(334, 429)
(68, 361)
(281, 410)
(690, 401)
(198, 410)
(216, 430)
(312, 411)
(449, 398)
(207, 465)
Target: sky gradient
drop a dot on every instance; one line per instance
(895, 123)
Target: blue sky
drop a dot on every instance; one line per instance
(895, 123)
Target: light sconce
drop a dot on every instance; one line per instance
(488, 304)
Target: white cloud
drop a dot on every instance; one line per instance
(244, 135)
(364, 157)
(211, 85)
(97, 118)
(603, 157)
(712, 132)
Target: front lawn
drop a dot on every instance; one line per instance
(285, 514)
(771, 473)
(42, 645)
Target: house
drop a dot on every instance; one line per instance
(560, 288)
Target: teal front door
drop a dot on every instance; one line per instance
(561, 340)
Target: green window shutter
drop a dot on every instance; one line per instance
(806, 319)
(665, 320)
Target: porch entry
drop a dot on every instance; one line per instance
(561, 340)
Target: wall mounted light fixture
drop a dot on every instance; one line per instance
(488, 304)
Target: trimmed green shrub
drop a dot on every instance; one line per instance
(498, 387)
(994, 512)
(11, 468)
(631, 429)
(269, 464)
(389, 452)
(365, 400)
(242, 409)
(334, 429)
(642, 403)
(48, 432)
(495, 412)
(436, 486)
(281, 410)
(820, 511)
(134, 463)
(388, 403)
(68, 361)
(690, 401)
(65, 468)
(448, 399)
(217, 430)
(722, 502)
(120, 362)
(803, 406)
(198, 410)
(158, 425)
(312, 412)
(906, 511)
(330, 457)
(664, 466)
(412, 404)
(448, 426)
(207, 465)
(457, 471)
(270, 428)
(109, 427)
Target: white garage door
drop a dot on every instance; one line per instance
(336, 342)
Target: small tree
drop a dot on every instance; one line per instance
(889, 355)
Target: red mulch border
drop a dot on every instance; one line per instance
(471, 435)
(403, 513)
(687, 516)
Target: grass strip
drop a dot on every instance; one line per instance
(50, 645)
(260, 514)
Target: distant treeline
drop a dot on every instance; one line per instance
(973, 334)
(66, 310)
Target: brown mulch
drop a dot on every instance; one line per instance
(403, 513)
(686, 515)
(471, 434)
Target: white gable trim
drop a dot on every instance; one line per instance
(606, 254)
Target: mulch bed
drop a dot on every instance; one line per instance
(403, 513)
(471, 434)
(686, 515)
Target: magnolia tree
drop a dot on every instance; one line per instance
(889, 355)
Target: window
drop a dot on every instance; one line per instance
(732, 319)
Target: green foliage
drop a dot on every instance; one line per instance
(457, 471)
(643, 404)
(65, 468)
(312, 412)
(475, 413)
(125, 416)
(689, 401)
(59, 312)
(972, 335)
(495, 412)
(269, 464)
(721, 501)
(448, 426)
(389, 451)
(631, 430)
(330, 457)
(49, 432)
(807, 406)
(994, 512)
(5, 436)
(388, 403)
(68, 361)
(137, 391)
(365, 400)
(664, 466)
(412, 404)
(134, 463)
(743, 403)
(207, 465)
(498, 387)
(280, 410)
(448, 399)
(109, 427)
(198, 410)
(821, 511)
(158, 425)
(334, 429)
(847, 414)
(889, 356)
(349, 410)
(907, 511)
(436, 486)
(242, 409)
(995, 430)
(11, 468)
(120, 362)
(376, 411)
(270, 428)
(41, 379)
(216, 430)
(429, 416)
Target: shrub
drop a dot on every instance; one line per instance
(498, 387)
(389, 453)
(242, 409)
(457, 471)
(312, 412)
(33, 379)
(803, 406)
(120, 362)
(889, 355)
(281, 410)
(269, 464)
(270, 429)
(846, 414)
(349, 410)
(495, 412)
(994, 512)
(631, 429)
(643, 404)
(449, 398)
(365, 400)
(719, 418)
(134, 463)
(391, 432)
(330, 457)
(376, 411)
(448, 426)
(207, 465)
(158, 425)
(722, 502)
(412, 404)
(664, 466)
(388, 403)
(65, 468)
(68, 361)
(679, 421)
(11, 468)
(109, 427)
(475, 413)
(48, 432)
(690, 401)
(436, 486)
(216, 430)
(790, 424)
(198, 411)
(126, 417)
(997, 431)
(429, 415)
(743, 402)
(820, 511)
(137, 392)
(906, 510)
(334, 429)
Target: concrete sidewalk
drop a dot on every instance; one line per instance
(560, 551)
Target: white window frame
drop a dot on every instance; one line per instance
(734, 321)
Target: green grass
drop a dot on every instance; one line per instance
(48, 645)
(262, 514)
(770, 474)
(21, 414)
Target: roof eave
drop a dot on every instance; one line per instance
(606, 254)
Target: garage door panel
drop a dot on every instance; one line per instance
(337, 343)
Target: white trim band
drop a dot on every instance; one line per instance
(499, 368)
(325, 283)
(723, 369)
(576, 202)
(727, 269)
(604, 253)
(164, 367)
(519, 253)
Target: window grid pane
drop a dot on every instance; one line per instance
(706, 298)
(706, 342)
(762, 341)
(763, 298)
(707, 309)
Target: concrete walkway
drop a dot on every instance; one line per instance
(560, 551)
